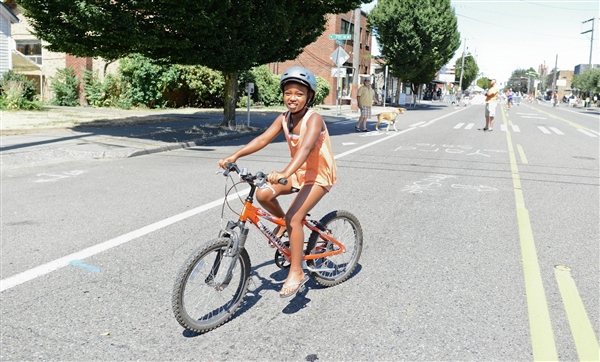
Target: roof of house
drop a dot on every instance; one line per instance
(5, 10)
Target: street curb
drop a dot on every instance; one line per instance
(195, 143)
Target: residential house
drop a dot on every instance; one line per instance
(7, 18)
(42, 63)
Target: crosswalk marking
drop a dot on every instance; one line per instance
(416, 124)
(516, 128)
(556, 130)
(586, 132)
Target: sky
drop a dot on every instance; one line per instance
(505, 35)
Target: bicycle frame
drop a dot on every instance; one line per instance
(254, 214)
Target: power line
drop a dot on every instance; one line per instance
(504, 26)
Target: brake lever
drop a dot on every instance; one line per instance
(261, 182)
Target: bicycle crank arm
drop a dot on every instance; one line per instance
(310, 269)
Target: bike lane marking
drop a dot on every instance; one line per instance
(59, 263)
(540, 326)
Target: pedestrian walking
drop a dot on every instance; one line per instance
(509, 96)
(491, 100)
(365, 99)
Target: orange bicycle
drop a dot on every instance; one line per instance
(212, 283)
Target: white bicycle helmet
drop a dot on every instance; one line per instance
(300, 75)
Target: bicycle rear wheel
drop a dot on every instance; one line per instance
(206, 293)
(333, 270)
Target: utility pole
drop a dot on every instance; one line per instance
(592, 39)
(555, 74)
(356, 60)
(462, 68)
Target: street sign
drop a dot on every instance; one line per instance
(339, 56)
(338, 72)
(340, 36)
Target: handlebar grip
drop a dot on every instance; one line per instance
(282, 181)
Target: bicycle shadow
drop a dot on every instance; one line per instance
(272, 283)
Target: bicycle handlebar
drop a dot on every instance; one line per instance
(246, 176)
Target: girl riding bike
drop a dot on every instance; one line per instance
(312, 169)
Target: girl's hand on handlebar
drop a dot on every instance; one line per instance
(275, 176)
(224, 161)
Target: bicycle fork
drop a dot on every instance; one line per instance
(232, 251)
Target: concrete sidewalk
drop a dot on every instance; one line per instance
(69, 133)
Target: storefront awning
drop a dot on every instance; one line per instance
(21, 63)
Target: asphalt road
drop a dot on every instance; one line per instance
(463, 229)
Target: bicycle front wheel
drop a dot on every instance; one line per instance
(335, 269)
(210, 286)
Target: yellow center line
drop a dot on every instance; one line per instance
(581, 328)
(540, 326)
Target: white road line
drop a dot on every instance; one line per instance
(596, 132)
(528, 114)
(556, 130)
(459, 125)
(586, 132)
(470, 125)
(56, 264)
(33, 273)
(543, 129)
(503, 128)
(417, 124)
(516, 128)
(533, 117)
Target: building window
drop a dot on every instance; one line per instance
(32, 49)
(347, 27)
(367, 40)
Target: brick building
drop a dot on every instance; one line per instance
(563, 82)
(315, 56)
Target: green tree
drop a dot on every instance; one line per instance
(520, 79)
(229, 36)
(587, 82)
(483, 83)
(470, 73)
(416, 37)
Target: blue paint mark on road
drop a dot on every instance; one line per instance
(87, 267)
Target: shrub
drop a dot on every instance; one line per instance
(13, 97)
(94, 89)
(65, 88)
(29, 88)
(323, 89)
(205, 85)
(144, 81)
(266, 86)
